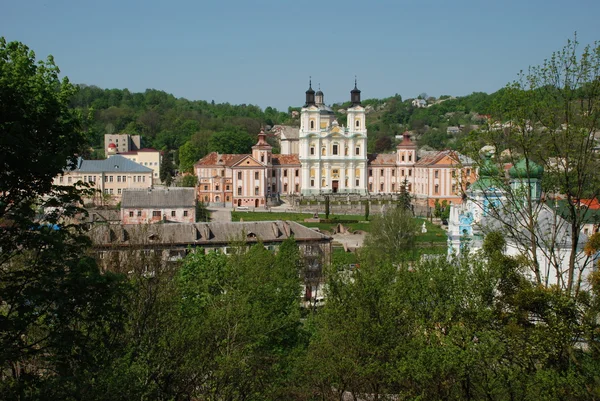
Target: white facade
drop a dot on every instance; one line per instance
(333, 157)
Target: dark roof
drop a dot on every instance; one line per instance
(113, 164)
(158, 198)
(201, 233)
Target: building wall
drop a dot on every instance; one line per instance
(148, 159)
(124, 142)
(111, 184)
(154, 215)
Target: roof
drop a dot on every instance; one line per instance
(286, 131)
(430, 158)
(285, 159)
(158, 198)
(135, 152)
(216, 159)
(113, 164)
(378, 159)
(216, 234)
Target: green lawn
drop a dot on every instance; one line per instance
(435, 236)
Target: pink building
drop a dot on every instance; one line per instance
(154, 205)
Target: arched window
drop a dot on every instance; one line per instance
(323, 151)
(357, 123)
(437, 188)
(312, 150)
(312, 124)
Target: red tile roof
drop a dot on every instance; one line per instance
(216, 159)
(592, 204)
(285, 159)
(379, 159)
(135, 152)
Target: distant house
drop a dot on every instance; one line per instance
(109, 177)
(114, 143)
(420, 103)
(147, 157)
(453, 130)
(154, 205)
(114, 245)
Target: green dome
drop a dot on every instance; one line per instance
(488, 168)
(489, 175)
(519, 170)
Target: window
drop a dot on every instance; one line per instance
(105, 191)
(60, 180)
(131, 214)
(222, 172)
(217, 187)
(156, 213)
(357, 123)
(111, 191)
(381, 173)
(393, 173)
(409, 187)
(453, 188)
(262, 158)
(105, 178)
(206, 187)
(312, 183)
(403, 157)
(110, 178)
(370, 186)
(381, 187)
(185, 212)
(297, 188)
(436, 174)
(409, 173)
(436, 189)
(172, 213)
(226, 198)
(256, 175)
(144, 178)
(227, 187)
(410, 157)
(402, 172)
(273, 173)
(346, 151)
(357, 182)
(335, 149)
(468, 172)
(312, 124)
(297, 172)
(139, 213)
(285, 187)
(239, 175)
(285, 173)
(239, 190)
(370, 173)
(119, 191)
(393, 187)
(255, 190)
(124, 178)
(357, 150)
(323, 151)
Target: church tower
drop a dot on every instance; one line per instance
(262, 151)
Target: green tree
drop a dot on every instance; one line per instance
(405, 199)
(193, 150)
(231, 142)
(202, 213)
(326, 207)
(392, 234)
(167, 169)
(58, 313)
(367, 210)
(189, 180)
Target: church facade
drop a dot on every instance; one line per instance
(332, 158)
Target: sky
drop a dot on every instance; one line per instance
(263, 52)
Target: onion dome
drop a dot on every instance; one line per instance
(489, 175)
(526, 169)
(310, 95)
(355, 95)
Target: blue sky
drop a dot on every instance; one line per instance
(263, 51)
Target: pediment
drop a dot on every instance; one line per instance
(248, 161)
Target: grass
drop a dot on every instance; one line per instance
(435, 236)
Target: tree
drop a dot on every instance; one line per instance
(202, 213)
(550, 115)
(326, 207)
(189, 180)
(231, 142)
(58, 313)
(167, 169)
(405, 199)
(193, 150)
(393, 234)
(367, 210)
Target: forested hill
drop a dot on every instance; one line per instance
(194, 128)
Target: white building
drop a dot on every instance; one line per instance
(333, 156)
(518, 217)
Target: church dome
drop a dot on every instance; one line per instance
(520, 170)
(112, 146)
(319, 93)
